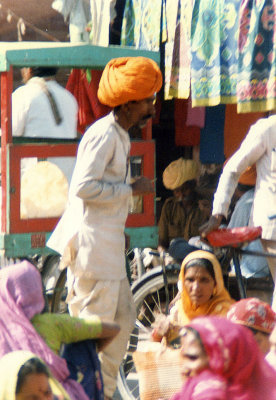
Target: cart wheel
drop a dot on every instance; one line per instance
(150, 298)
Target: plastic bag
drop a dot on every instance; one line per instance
(234, 236)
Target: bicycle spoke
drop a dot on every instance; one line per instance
(149, 300)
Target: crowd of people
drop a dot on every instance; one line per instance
(227, 347)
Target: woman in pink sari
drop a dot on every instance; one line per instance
(222, 361)
(21, 298)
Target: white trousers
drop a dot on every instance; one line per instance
(112, 301)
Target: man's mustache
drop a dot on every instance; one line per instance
(148, 116)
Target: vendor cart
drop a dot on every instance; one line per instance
(22, 238)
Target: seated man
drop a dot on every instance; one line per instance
(251, 266)
(42, 108)
(181, 214)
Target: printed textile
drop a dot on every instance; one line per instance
(178, 18)
(141, 24)
(257, 62)
(214, 63)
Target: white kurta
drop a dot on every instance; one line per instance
(98, 203)
(259, 146)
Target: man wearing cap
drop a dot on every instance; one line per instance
(181, 215)
(90, 235)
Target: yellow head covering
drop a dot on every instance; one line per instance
(178, 172)
(218, 304)
(10, 365)
(126, 79)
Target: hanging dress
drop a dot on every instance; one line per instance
(257, 61)
(141, 24)
(177, 23)
(214, 63)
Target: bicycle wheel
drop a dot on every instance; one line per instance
(50, 273)
(58, 304)
(149, 297)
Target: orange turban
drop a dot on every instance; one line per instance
(248, 177)
(126, 79)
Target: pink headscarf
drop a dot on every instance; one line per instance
(21, 298)
(237, 368)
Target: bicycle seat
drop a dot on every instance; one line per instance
(233, 236)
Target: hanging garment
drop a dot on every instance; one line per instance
(214, 52)
(212, 136)
(184, 135)
(141, 24)
(102, 13)
(178, 84)
(89, 107)
(168, 36)
(77, 14)
(257, 62)
(195, 115)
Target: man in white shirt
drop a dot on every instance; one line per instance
(258, 147)
(90, 235)
(43, 108)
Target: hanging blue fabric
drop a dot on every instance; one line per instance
(212, 136)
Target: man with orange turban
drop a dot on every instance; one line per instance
(90, 235)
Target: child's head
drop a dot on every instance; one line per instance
(256, 315)
(195, 358)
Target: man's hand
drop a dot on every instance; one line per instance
(211, 225)
(142, 185)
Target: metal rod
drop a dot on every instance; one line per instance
(238, 274)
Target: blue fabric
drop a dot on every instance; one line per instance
(84, 366)
(212, 136)
(179, 248)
